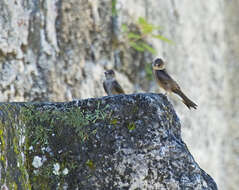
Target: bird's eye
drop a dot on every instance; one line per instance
(159, 60)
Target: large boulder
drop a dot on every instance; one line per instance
(115, 142)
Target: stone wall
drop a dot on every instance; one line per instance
(58, 51)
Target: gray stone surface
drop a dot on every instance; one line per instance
(57, 51)
(137, 145)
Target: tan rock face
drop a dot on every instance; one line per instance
(58, 51)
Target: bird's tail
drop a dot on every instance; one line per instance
(189, 103)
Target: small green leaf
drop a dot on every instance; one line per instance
(94, 131)
(148, 48)
(136, 46)
(131, 126)
(142, 21)
(149, 72)
(114, 10)
(90, 164)
(162, 38)
(124, 28)
(132, 35)
(147, 29)
(113, 121)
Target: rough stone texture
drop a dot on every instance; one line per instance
(231, 92)
(137, 145)
(204, 62)
(57, 51)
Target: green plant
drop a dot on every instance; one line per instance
(131, 126)
(114, 10)
(90, 164)
(79, 119)
(148, 71)
(42, 123)
(45, 131)
(137, 38)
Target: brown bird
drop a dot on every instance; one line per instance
(111, 86)
(168, 84)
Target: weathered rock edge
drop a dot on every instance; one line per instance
(133, 143)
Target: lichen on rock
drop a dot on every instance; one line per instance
(115, 142)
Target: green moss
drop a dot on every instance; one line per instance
(135, 109)
(12, 186)
(46, 128)
(114, 121)
(2, 150)
(2, 142)
(42, 131)
(42, 123)
(15, 145)
(90, 164)
(14, 173)
(131, 126)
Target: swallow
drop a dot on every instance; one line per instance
(166, 82)
(111, 85)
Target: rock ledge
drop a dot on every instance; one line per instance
(115, 142)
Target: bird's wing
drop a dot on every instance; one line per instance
(105, 88)
(118, 88)
(163, 76)
(165, 79)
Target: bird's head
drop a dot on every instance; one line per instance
(158, 64)
(109, 74)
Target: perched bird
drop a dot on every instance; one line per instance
(111, 86)
(168, 84)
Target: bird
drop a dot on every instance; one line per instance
(111, 85)
(166, 82)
